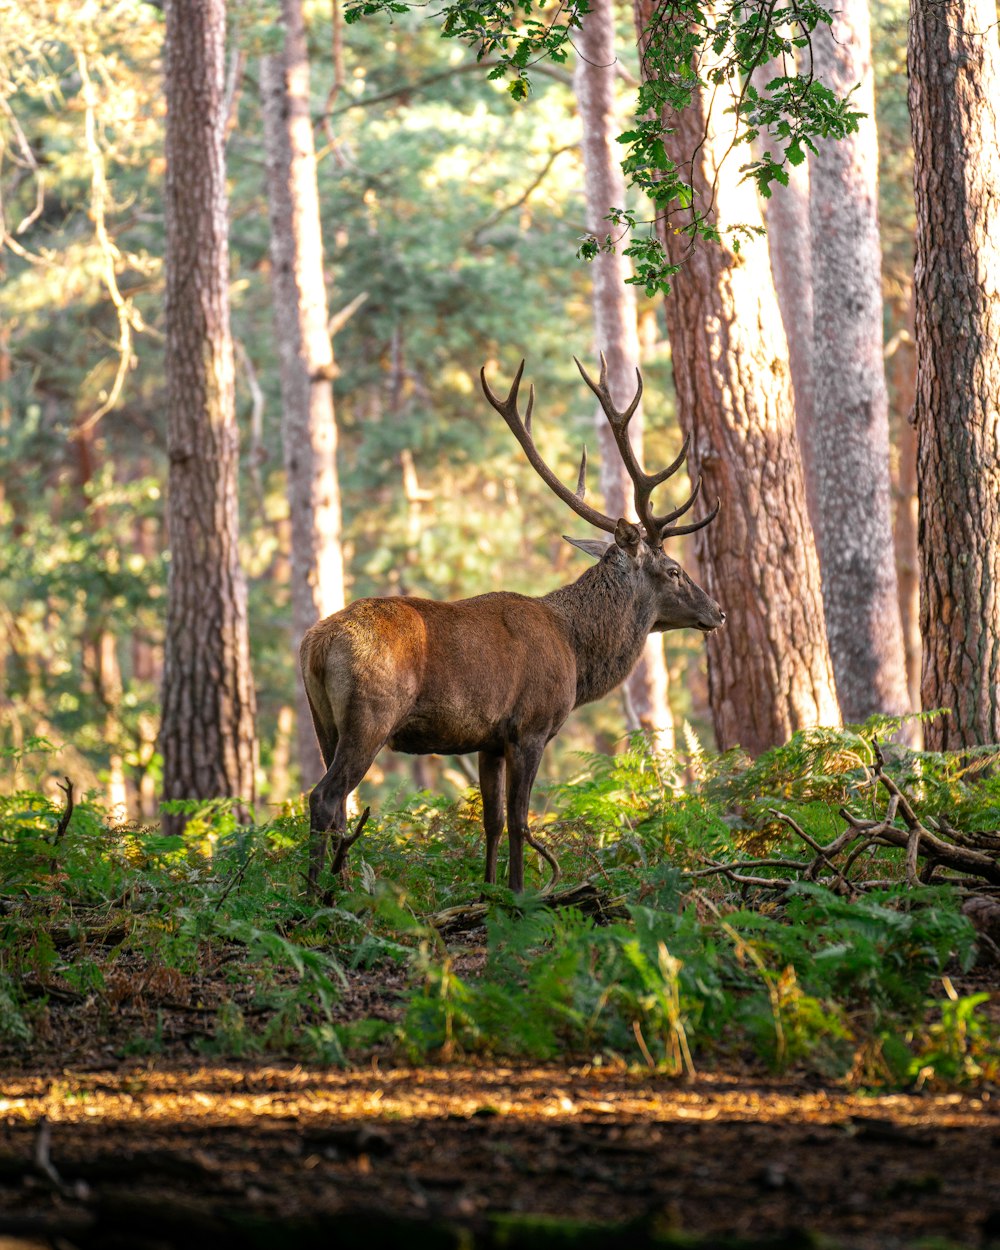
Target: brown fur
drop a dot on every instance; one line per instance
(497, 674)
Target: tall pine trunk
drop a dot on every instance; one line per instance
(207, 731)
(786, 215)
(849, 441)
(769, 668)
(954, 64)
(301, 321)
(615, 328)
(902, 378)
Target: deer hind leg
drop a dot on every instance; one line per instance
(491, 785)
(356, 748)
(522, 762)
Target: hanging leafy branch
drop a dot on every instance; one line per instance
(687, 46)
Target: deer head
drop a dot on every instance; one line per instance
(636, 551)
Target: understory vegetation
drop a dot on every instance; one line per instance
(719, 913)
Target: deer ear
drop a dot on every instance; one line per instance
(628, 537)
(595, 547)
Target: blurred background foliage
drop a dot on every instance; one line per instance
(451, 218)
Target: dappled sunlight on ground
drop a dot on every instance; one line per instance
(720, 1156)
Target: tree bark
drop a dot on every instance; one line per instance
(207, 732)
(786, 215)
(850, 428)
(903, 370)
(615, 328)
(769, 668)
(954, 96)
(301, 320)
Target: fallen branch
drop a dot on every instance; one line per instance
(585, 897)
(975, 856)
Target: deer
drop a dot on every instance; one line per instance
(498, 673)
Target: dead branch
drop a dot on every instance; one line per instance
(976, 857)
(345, 843)
(64, 819)
(585, 897)
(549, 858)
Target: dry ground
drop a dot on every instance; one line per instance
(468, 1156)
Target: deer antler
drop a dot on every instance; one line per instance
(657, 527)
(521, 429)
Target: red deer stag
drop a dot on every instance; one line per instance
(498, 673)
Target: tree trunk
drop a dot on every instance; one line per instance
(616, 330)
(903, 368)
(207, 731)
(769, 668)
(954, 96)
(786, 215)
(301, 319)
(850, 431)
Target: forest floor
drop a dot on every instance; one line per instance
(102, 1149)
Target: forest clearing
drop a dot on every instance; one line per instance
(378, 867)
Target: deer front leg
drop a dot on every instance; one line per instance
(491, 786)
(356, 748)
(522, 762)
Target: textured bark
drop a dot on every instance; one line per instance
(207, 731)
(850, 431)
(954, 63)
(301, 320)
(786, 215)
(769, 668)
(903, 371)
(615, 328)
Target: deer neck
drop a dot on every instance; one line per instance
(607, 620)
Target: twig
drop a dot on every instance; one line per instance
(235, 880)
(810, 841)
(549, 858)
(345, 843)
(864, 845)
(43, 1148)
(912, 851)
(64, 819)
(343, 315)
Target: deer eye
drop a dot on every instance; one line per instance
(675, 574)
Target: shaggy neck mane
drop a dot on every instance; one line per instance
(607, 621)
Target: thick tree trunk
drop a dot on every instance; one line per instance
(850, 429)
(615, 327)
(769, 668)
(207, 731)
(954, 63)
(301, 319)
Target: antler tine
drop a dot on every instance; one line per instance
(674, 465)
(510, 403)
(521, 429)
(581, 481)
(615, 418)
(673, 531)
(685, 507)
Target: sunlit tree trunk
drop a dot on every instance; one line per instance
(301, 321)
(954, 95)
(902, 379)
(786, 215)
(769, 668)
(850, 427)
(207, 731)
(615, 327)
